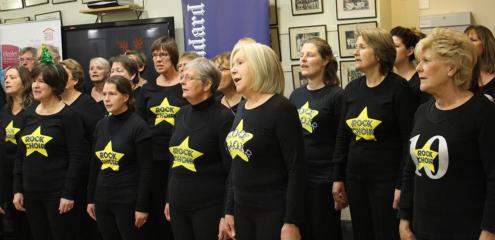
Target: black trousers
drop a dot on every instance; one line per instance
(116, 221)
(200, 224)
(257, 224)
(157, 227)
(16, 222)
(322, 222)
(87, 229)
(44, 219)
(372, 214)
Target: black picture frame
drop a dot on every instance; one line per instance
(49, 16)
(17, 20)
(297, 79)
(275, 42)
(355, 9)
(306, 7)
(348, 72)
(30, 3)
(62, 1)
(298, 34)
(17, 5)
(272, 13)
(347, 36)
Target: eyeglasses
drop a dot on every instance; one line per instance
(160, 54)
(187, 78)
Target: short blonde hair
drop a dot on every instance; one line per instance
(456, 50)
(264, 66)
(101, 62)
(383, 45)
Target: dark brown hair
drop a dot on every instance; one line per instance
(330, 77)
(128, 64)
(26, 81)
(124, 87)
(409, 37)
(383, 45)
(53, 74)
(168, 44)
(487, 58)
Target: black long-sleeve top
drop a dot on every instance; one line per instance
(448, 188)
(121, 165)
(267, 149)
(90, 113)
(319, 113)
(488, 89)
(49, 156)
(373, 133)
(415, 82)
(200, 162)
(158, 105)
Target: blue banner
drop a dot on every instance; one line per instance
(214, 26)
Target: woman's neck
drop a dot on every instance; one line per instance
(98, 86)
(50, 105)
(406, 70)
(255, 99)
(374, 78)
(168, 78)
(451, 97)
(231, 97)
(485, 78)
(16, 104)
(315, 83)
(70, 95)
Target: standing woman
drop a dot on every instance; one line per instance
(231, 98)
(18, 89)
(140, 59)
(158, 103)
(120, 181)
(319, 105)
(405, 39)
(198, 181)
(267, 150)
(372, 139)
(123, 66)
(99, 70)
(90, 113)
(483, 40)
(448, 189)
(49, 160)
(186, 58)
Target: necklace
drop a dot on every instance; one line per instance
(228, 104)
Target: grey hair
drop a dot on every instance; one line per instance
(102, 62)
(207, 71)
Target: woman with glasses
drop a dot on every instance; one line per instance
(157, 104)
(230, 98)
(200, 162)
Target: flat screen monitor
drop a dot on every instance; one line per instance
(83, 42)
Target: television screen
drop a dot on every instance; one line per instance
(83, 42)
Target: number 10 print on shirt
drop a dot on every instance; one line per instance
(424, 158)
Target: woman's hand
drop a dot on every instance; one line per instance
(405, 230)
(339, 195)
(141, 218)
(166, 211)
(18, 202)
(396, 202)
(91, 210)
(2, 211)
(65, 205)
(290, 232)
(226, 229)
(486, 235)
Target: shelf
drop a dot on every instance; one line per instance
(100, 12)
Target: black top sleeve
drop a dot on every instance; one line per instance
(144, 155)
(486, 143)
(73, 129)
(342, 141)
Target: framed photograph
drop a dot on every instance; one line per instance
(272, 10)
(62, 1)
(10, 4)
(297, 35)
(355, 9)
(48, 16)
(297, 78)
(348, 72)
(29, 3)
(17, 20)
(347, 36)
(304, 7)
(275, 41)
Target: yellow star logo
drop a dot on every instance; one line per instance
(236, 140)
(165, 112)
(109, 158)
(425, 157)
(306, 115)
(36, 142)
(10, 132)
(184, 155)
(363, 126)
